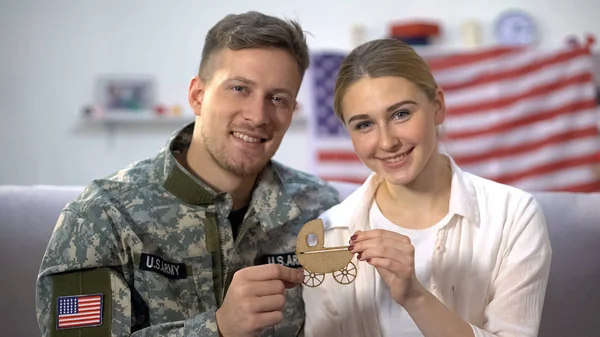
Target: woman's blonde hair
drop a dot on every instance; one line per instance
(379, 58)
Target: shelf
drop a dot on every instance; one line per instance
(136, 118)
(148, 119)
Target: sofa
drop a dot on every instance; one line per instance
(572, 305)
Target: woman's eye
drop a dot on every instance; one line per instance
(401, 114)
(362, 125)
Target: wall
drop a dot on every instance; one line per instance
(52, 51)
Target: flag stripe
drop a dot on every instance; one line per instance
(504, 102)
(519, 134)
(569, 98)
(466, 59)
(529, 147)
(548, 168)
(546, 155)
(530, 120)
(518, 85)
(547, 63)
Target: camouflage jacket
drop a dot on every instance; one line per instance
(149, 251)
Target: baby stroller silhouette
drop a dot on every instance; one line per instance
(318, 260)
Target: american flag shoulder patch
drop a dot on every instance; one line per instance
(79, 311)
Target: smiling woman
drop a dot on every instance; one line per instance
(439, 252)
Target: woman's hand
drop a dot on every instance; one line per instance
(393, 256)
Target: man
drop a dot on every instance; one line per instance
(188, 243)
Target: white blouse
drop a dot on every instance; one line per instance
(489, 264)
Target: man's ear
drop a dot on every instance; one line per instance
(440, 107)
(196, 94)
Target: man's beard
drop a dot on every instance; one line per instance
(218, 153)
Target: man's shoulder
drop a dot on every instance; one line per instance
(120, 187)
(307, 190)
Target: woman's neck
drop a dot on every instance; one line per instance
(423, 202)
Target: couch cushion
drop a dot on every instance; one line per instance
(27, 217)
(573, 296)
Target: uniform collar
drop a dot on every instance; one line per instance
(270, 201)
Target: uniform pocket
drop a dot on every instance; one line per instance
(167, 287)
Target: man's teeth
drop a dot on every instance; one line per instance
(246, 138)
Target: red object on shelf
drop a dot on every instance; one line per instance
(160, 109)
(414, 29)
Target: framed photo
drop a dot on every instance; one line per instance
(123, 94)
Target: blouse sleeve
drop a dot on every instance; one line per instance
(517, 294)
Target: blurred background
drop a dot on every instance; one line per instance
(87, 87)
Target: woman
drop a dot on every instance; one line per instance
(439, 252)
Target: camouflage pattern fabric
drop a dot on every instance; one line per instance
(157, 244)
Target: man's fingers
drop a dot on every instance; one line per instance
(270, 287)
(269, 303)
(289, 285)
(274, 271)
(266, 319)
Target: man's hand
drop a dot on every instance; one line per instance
(255, 298)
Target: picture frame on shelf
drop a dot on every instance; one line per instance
(123, 94)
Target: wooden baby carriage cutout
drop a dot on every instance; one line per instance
(318, 260)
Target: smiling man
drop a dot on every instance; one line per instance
(188, 243)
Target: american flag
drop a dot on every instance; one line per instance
(521, 116)
(79, 311)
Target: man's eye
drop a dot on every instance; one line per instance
(279, 101)
(237, 88)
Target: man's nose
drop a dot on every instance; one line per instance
(256, 112)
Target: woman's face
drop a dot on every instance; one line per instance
(392, 124)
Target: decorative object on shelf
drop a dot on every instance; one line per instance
(573, 41)
(160, 109)
(515, 28)
(471, 33)
(130, 99)
(416, 33)
(357, 34)
(125, 93)
(176, 110)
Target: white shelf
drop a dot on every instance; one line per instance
(151, 119)
(137, 118)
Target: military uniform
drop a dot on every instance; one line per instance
(149, 251)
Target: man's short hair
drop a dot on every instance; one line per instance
(254, 30)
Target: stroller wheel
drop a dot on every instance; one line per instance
(346, 275)
(313, 279)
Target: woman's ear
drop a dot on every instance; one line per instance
(196, 94)
(439, 106)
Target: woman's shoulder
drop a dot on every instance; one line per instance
(490, 188)
(494, 197)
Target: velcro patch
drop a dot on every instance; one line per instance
(285, 259)
(79, 311)
(168, 269)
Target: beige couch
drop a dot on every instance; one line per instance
(572, 307)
